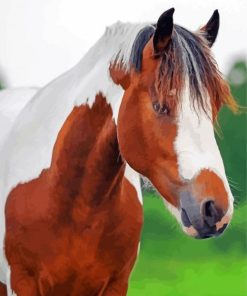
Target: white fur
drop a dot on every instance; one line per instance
(10, 292)
(196, 145)
(134, 178)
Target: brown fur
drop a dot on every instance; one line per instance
(146, 142)
(71, 231)
(207, 183)
(3, 290)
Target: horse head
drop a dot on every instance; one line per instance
(173, 92)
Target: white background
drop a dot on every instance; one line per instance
(40, 39)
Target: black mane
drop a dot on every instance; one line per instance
(141, 40)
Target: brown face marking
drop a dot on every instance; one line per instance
(209, 185)
(146, 142)
(66, 230)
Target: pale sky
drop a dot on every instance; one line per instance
(40, 39)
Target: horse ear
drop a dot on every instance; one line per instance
(163, 31)
(210, 30)
(119, 76)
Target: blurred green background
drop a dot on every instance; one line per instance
(170, 263)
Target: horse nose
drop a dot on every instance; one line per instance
(202, 216)
(210, 215)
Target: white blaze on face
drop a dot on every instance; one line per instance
(196, 145)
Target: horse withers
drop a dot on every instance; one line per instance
(143, 100)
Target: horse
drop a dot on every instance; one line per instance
(143, 101)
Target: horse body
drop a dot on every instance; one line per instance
(72, 213)
(70, 229)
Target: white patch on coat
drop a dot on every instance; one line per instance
(134, 178)
(3, 264)
(196, 146)
(10, 292)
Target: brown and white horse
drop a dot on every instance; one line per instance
(143, 100)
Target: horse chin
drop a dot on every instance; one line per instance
(191, 230)
(220, 228)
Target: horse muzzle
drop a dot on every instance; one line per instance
(201, 219)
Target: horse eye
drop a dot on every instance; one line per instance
(156, 106)
(164, 109)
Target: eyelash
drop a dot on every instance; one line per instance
(164, 110)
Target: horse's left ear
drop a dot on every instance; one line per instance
(163, 31)
(119, 76)
(210, 30)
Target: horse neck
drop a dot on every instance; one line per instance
(86, 165)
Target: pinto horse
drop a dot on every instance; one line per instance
(143, 100)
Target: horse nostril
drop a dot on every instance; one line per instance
(210, 213)
(209, 208)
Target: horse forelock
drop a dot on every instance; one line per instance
(187, 58)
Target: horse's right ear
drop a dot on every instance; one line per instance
(210, 30)
(163, 31)
(119, 76)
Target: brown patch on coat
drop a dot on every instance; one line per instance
(3, 290)
(75, 229)
(147, 141)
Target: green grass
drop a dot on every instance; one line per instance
(170, 263)
(232, 138)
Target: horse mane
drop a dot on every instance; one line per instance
(141, 40)
(186, 60)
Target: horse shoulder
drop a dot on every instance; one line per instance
(127, 222)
